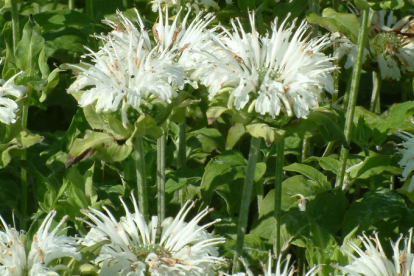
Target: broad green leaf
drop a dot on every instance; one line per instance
(66, 39)
(245, 5)
(266, 132)
(28, 50)
(310, 172)
(324, 122)
(327, 163)
(214, 112)
(372, 208)
(374, 165)
(104, 146)
(13, 148)
(210, 139)
(146, 126)
(328, 209)
(397, 117)
(234, 134)
(52, 20)
(346, 23)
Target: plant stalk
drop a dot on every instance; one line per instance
(15, 24)
(161, 178)
(376, 88)
(278, 194)
(182, 157)
(139, 155)
(71, 4)
(91, 29)
(356, 75)
(245, 201)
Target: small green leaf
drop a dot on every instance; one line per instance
(310, 172)
(90, 253)
(214, 112)
(266, 132)
(234, 134)
(146, 126)
(346, 23)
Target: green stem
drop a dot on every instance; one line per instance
(15, 24)
(260, 194)
(91, 29)
(328, 149)
(161, 178)
(245, 201)
(314, 7)
(182, 157)
(71, 4)
(376, 87)
(356, 75)
(278, 194)
(139, 155)
(305, 148)
(23, 157)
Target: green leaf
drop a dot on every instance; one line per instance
(28, 50)
(325, 122)
(52, 20)
(397, 117)
(23, 140)
(328, 209)
(90, 253)
(266, 132)
(234, 134)
(210, 139)
(214, 112)
(104, 145)
(310, 172)
(327, 163)
(372, 208)
(346, 23)
(146, 126)
(374, 165)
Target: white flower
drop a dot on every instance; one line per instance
(8, 106)
(46, 246)
(374, 262)
(407, 161)
(279, 71)
(395, 51)
(390, 45)
(279, 270)
(128, 68)
(346, 48)
(182, 249)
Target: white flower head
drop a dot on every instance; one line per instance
(46, 246)
(390, 45)
(407, 161)
(374, 262)
(8, 94)
(281, 71)
(182, 249)
(126, 70)
(282, 268)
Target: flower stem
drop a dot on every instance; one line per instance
(15, 24)
(278, 194)
(23, 157)
(91, 29)
(376, 88)
(260, 194)
(245, 201)
(356, 75)
(139, 155)
(305, 148)
(71, 4)
(182, 157)
(161, 178)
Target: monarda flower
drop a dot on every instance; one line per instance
(374, 262)
(407, 161)
(281, 268)
(281, 71)
(391, 45)
(184, 248)
(47, 246)
(8, 94)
